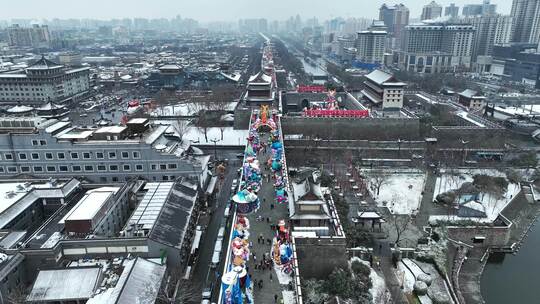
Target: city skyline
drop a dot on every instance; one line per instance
(212, 10)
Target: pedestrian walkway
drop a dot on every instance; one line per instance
(270, 286)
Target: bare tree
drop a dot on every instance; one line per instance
(378, 179)
(17, 295)
(182, 127)
(204, 124)
(400, 223)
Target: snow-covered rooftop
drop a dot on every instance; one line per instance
(68, 284)
(90, 204)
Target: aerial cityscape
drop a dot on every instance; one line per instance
(300, 152)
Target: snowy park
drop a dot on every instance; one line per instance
(401, 193)
(488, 203)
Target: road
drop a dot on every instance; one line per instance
(202, 275)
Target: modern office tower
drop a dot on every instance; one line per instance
(370, 44)
(433, 10)
(526, 15)
(452, 10)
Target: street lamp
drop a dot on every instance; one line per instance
(215, 140)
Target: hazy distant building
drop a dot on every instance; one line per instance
(452, 10)
(433, 10)
(253, 25)
(486, 8)
(35, 36)
(526, 15)
(436, 48)
(395, 18)
(370, 45)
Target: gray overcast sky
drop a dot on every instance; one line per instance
(211, 10)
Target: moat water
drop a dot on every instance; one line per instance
(511, 278)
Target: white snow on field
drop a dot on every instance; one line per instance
(231, 137)
(189, 109)
(490, 204)
(402, 192)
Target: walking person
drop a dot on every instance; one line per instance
(271, 279)
(275, 298)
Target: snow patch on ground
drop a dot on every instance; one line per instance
(288, 297)
(401, 192)
(407, 277)
(378, 290)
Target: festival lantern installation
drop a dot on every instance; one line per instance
(236, 282)
(282, 249)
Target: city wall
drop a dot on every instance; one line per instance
(318, 257)
(352, 128)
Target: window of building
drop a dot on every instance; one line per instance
(38, 169)
(48, 155)
(35, 142)
(23, 156)
(154, 167)
(42, 142)
(88, 168)
(12, 169)
(1, 169)
(99, 155)
(63, 168)
(125, 154)
(86, 155)
(35, 156)
(25, 169)
(103, 179)
(101, 168)
(51, 168)
(163, 167)
(172, 166)
(114, 179)
(76, 168)
(112, 155)
(74, 155)
(165, 178)
(136, 154)
(113, 168)
(8, 156)
(127, 168)
(138, 167)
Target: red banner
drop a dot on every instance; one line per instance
(311, 88)
(337, 113)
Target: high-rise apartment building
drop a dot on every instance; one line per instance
(490, 30)
(486, 8)
(35, 36)
(370, 44)
(430, 11)
(452, 10)
(526, 15)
